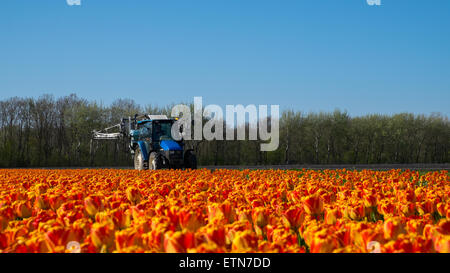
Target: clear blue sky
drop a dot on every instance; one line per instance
(306, 55)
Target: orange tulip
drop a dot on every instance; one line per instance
(41, 202)
(102, 234)
(22, 209)
(41, 188)
(392, 228)
(387, 208)
(313, 204)
(223, 211)
(355, 211)
(323, 244)
(331, 216)
(178, 242)
(235, 227)
(444, 227)
(57, 237)
(415, 226)
(370, 199)
(93, 204)
(294, 217)
(121, 218)
(133, 195)
(127, 238)
(215, 234)
(36, 245)
(190, 219)
(442, 244)
(244, 214)
(4, 240)
(55, 201)
(154, 240)
(3, 223)
(244, 241)
(407, 209)
(407, 195)
(260, 217)
(442, 209)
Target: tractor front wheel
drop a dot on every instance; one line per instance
(139, 162)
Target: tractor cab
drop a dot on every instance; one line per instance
(156, 130)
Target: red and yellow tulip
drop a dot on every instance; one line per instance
(224, 211)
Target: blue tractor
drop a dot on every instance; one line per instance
(151, 143)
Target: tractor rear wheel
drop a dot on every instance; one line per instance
(155, 161)
(190, 160)
(139, 162)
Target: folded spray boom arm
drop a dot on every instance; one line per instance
(123, 130)
(106, 135)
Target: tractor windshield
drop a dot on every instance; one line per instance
(146, 130)
(162, 130)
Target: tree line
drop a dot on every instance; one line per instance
(56, 132)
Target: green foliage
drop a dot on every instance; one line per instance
(56, 133)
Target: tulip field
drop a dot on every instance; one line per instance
(106, 210)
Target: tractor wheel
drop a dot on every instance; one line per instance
(139, 162)
(190, 160)
(155, 161)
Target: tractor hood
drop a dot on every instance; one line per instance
(170, 145)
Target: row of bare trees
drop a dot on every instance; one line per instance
(338, 138)
(50, 131)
